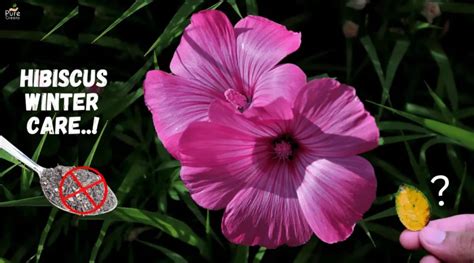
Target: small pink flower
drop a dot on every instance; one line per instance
(287, 170)
(431, 11)
(350, 29)
(216, 61)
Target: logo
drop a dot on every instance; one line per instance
(12, 13)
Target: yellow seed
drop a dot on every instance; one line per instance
(413, 208)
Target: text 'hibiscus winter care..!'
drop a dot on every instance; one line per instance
(82, 86)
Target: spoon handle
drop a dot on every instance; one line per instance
(12, 150)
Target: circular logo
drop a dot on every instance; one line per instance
(82, 190)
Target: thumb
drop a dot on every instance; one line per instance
(448, 246)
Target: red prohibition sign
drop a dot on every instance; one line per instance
(82, 190)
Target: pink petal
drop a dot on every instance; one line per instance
(261, 44)
(217, 161)
(283, 81)
(175, 102)
(211, 188)
(346, 128)
(334, 195)
(207, 52)
(268, 213)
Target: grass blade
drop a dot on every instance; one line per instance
(399, 125)
(259, 256)
(384, 231)
(464, 137)
(175, 26)
(137, 5)
(167, 224)
(386, 213)
(90, 157)
(235, 7)
(175, 257)
(399, 51)
(306, 251)
(367, 232)
(374, 58)
(401, 138)
(72, 14)
(446, 72)
(240, 254)
(26, 174)
(45, 232)
(36, 201)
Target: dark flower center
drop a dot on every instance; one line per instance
(284, 147)
(237, 99)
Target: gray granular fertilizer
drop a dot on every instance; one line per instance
(50, 181)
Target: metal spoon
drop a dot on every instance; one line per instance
(50, 181)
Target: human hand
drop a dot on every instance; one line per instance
(446, 240)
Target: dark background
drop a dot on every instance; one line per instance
(132, 159)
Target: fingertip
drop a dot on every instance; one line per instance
(430, 259)
(410, 240)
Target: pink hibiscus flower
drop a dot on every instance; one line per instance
(287, 170)
(215, 61)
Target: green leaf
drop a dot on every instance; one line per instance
(235, 7)
(197, 213)
(252, 8)
(240, 254)
(384, 231)
(446, 72)
(306, 251)
(90, 157)
(402, 138)
(137, 5)
(448, 116)
(391, 170)
(460, 8)
(399, 51)
(363, 225)
(6, 156)
(72, 14)
(374, 58)
(384, 214)
(26, 174)
(4, 172)
(423, 111)
(175, 26)
(465, 138)
(136, 171)
(36, 201)
(37, 35)
(8, 195)
(400, 125)
(45, 232)
(175, 257)
(259, 255)
(167, 224)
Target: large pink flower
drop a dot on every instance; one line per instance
(286, 170)
(215, 61)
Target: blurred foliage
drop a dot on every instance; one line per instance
(417, 75)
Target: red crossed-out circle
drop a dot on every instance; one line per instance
(82, 190)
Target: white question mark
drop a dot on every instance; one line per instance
(446, 184)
